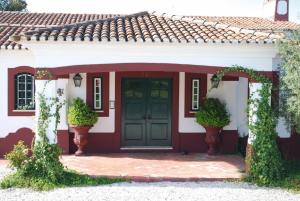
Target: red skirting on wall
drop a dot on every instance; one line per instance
(289, 147)
(27, 135)
(7, 143)
(194, 142)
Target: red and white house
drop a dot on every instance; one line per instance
(145, 74)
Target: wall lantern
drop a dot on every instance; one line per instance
(77, 80)
(214, 81)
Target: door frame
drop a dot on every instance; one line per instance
(146, 100)
(175, 139)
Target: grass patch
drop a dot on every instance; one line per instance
(69, 179)
(291, 181)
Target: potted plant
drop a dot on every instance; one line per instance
(213, 116)
(81, 118)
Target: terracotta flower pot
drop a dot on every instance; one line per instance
(212, 138)
(81, 138)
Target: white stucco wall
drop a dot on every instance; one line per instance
(54, 54)
(259, 57)
(104, 124)
(226, 92)
(12, 59)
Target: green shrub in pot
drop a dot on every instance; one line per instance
(80, 114)
(213, 116)
(81, 118)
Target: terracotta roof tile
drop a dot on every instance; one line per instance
(142, 26)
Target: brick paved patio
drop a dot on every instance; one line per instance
(159, 166)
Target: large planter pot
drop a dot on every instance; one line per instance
(81, 138)
(212, 138)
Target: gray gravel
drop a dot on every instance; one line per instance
(219, 191)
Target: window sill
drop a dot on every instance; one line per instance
(21, 113)
(101, 113)
(23, 110)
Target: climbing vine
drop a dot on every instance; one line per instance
(265, 164)
(44, 162)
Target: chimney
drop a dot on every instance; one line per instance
(277, 10)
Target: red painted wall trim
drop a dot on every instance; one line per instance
(11, 90)
(63, 140)
(195, 142)
(188, 91)
(230, 78)
(105, 92)
(7, 143)
(143, 67)
(175, 94)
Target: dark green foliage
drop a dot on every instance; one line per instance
(67, 179)
(266, 165)
(291, 181)
(13, 5)
(44, 163)
(289, 50)
(80, 114)
(213, 113)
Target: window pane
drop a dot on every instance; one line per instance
(195, 94)
(21, 78)
(97, 93)
(24, 91)
(21, 86)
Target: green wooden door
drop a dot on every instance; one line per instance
(146, 112)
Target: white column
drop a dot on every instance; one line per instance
(242, 104)
(253, 90)
(62, 84)
(50, 92)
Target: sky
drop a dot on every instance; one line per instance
(176, 7)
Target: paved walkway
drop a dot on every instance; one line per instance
(159, 166)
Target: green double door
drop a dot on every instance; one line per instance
(146, 112)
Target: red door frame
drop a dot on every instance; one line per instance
(175, 107)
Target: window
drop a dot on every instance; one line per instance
(24, 91)
(195, 94)
(98, 93)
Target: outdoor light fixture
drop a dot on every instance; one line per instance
(214, 81)
(77, 80)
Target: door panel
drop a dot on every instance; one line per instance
(146, 112)
(159, 112)
(133, 112)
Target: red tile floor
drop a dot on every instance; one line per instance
(159, 166)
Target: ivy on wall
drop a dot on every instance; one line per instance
(265, 164)
(289, 50)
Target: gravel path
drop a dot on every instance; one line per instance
(186, 191)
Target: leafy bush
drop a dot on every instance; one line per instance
(18, 156)
(44, 162)
(80, 114)
(68, 179)
(266, 164)
(213, 113)
(289, 50)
